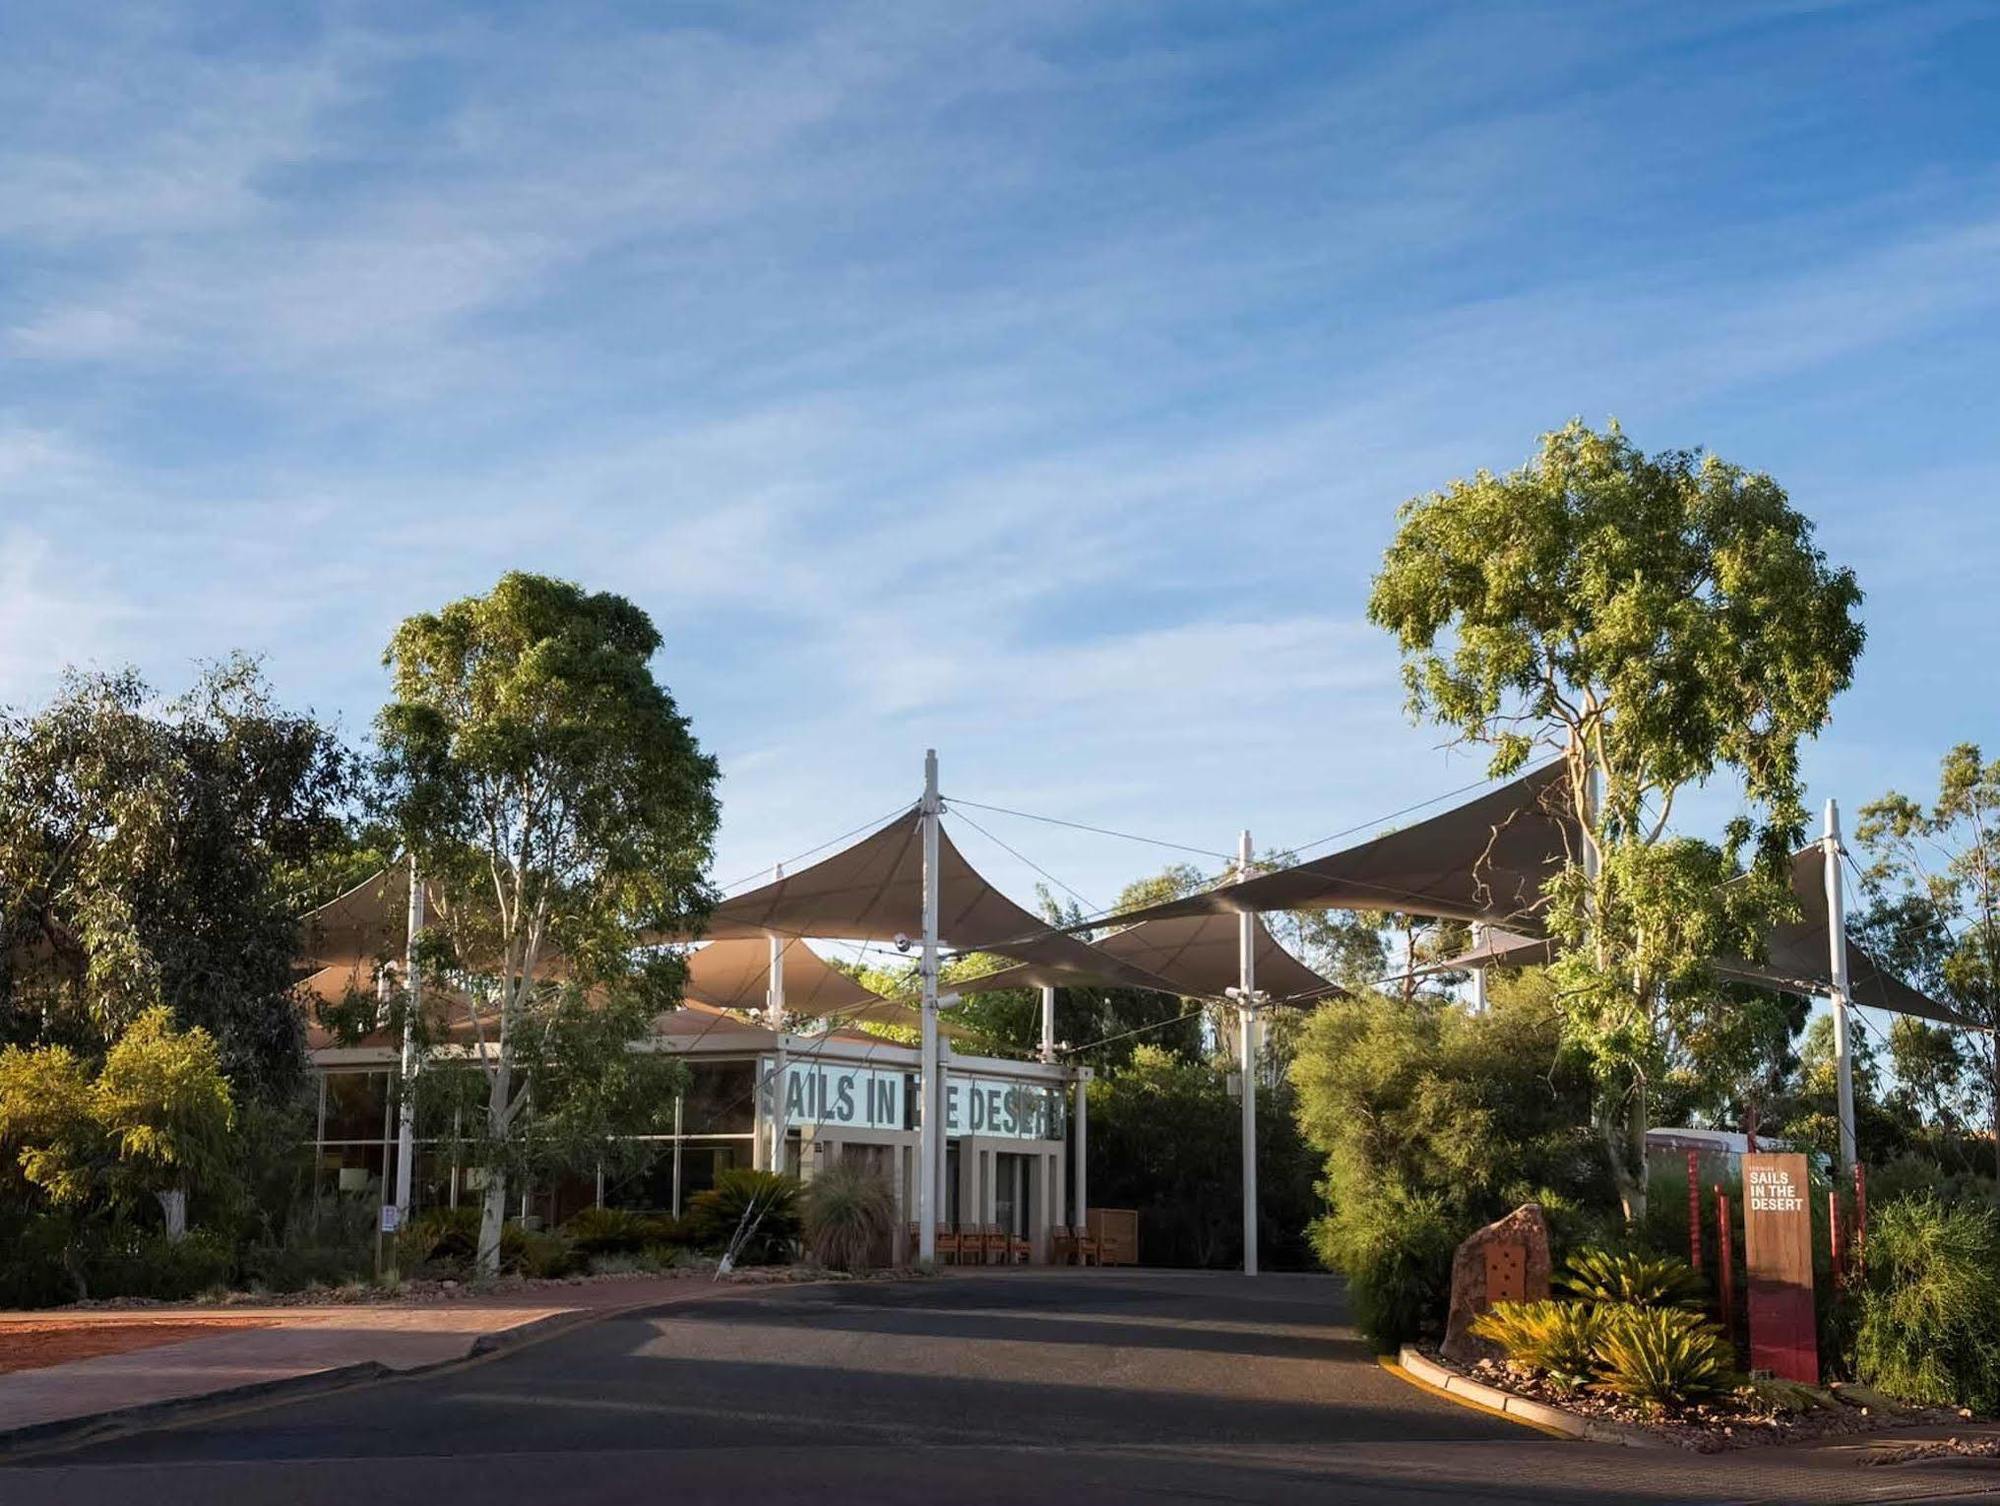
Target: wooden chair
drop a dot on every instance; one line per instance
(950, 1248)
(971, 1244)
(1087, 1252)
(1062, 1245)
(1018, 1249)
(994, 1243)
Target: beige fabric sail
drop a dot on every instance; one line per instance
(1797, 955)
(873, 891)
(1486, 860)
(1197, 955)
(737, 975)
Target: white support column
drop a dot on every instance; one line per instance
(1478, 973)
(406, 1108)
(774, 1017)
(1082, 1146)
(930, 1128)
(1246, 1023)
(1836, 926)
(1048, 1022)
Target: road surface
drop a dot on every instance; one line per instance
(1016, 1387)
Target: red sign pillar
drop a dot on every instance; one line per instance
(1777, 1266)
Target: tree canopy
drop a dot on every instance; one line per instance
(1656, 621)
(557, 802)
(143, 854)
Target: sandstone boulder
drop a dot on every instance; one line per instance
(1507, 1261)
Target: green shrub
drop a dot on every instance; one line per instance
(1634, 1279)
(440, 1242)
(610, 1231)
(324, 1244)
(761, 1202)
(1662, 1356)
(849, 1213)
(151, 1265)
(1929, 1323)
(536, 1253)
(1395, 1250)
(1559, 1337)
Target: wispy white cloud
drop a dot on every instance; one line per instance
(1036, 381)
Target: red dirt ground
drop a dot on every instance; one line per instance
(34, 1345)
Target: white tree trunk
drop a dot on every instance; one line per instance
(492, 1214)
(174, 1205)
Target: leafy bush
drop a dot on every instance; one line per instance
(849, 1213)
(536, 1253)
(444, 1243)
(1633, 1279)
(1395, 1250)
(1662, 1355)
(610, 1231)
(761, 1201)
(1929, 1324)
(324, 1244)
(1559, 1337)
(151, 1265)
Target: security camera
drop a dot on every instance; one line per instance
(902, 942)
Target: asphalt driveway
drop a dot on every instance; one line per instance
(1019, 1387)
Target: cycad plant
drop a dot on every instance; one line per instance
(1558, 1337)
(1631, 1279)
(1662, 1356)
(850, 1212)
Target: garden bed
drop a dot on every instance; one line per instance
(1751, 1416)
(415, 1293)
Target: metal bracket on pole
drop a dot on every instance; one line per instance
(930, 1127)
(1843, 1045)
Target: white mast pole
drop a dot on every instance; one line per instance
(406, 1108)
(1048, 1022)
(1246, 1026)
(1479, 971)
(774, 1017)
(930, 1128)
(1836, 926)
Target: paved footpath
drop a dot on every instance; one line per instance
(290, 1346)
(975, 1388)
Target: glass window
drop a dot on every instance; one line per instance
(355, 1105)
(721, 1099)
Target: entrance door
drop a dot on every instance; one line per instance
(1010, 1193)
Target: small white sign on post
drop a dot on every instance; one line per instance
(392, 1218)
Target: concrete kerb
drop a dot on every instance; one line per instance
(1421, 1368)
(68, 1432)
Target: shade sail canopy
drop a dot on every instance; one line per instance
(737, 975)
(873, 891)
(1196, 955)
(369, 922)
(1797, 955)
(1486, 861)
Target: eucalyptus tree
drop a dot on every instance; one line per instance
(1934, 914)
(1657, 622)
(144, 845)
(560, 809)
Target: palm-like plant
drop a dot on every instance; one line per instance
(849, 1212)
(1663, 1355)
(1558, 1337)
(1633, 1280)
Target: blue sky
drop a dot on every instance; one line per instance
(1037, 381)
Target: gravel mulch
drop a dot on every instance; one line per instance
(1749, 1417)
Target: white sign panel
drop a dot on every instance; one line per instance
(849, 1095)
